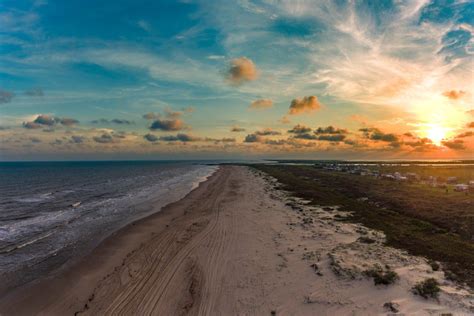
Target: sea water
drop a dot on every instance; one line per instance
(51, 212)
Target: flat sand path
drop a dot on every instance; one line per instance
(231, 247)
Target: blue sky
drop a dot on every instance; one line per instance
(222, 79)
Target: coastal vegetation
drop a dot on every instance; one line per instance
(427, 288)
(423, 220)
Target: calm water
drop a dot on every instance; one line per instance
(51, 212)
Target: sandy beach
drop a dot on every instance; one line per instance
(238, 246)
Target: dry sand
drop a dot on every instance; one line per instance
(236, 246)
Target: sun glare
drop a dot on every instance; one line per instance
(436, 134)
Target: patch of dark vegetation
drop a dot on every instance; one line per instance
(380, 276)
(366, 240)
(413, 217)
(391, 306)
(434, 265)
(427, 288)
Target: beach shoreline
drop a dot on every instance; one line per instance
(234, 245)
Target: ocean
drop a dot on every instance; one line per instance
(52, 212)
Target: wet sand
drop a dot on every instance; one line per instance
(237, 246)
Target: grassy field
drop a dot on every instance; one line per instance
(423, 220)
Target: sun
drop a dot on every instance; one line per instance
(436, 133)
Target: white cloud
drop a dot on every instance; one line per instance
(144, 25)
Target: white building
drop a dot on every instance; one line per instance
(461, 187)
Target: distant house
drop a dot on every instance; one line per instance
(461, 187)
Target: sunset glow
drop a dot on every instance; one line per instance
(206, 79)
(436, 134)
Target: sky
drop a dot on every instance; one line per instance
(326, 79)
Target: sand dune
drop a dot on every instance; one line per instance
(236, 246)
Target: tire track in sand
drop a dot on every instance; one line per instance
(170, 255)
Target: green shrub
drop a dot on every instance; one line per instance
(427, 288)
(382, 277)
(434, 265)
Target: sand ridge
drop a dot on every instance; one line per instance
(237, 246)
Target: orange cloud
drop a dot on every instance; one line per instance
(241, 70)
(456, 144)
(465, 134)
(300, 129)
(306, 104)
(454, 94)
(261, 104)
(253, 138)
(167, 125)
(237, 129)
(267, 132)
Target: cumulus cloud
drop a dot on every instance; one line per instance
(278, 142)
(465, 134)
(167, 125)
(332, 138)
(241, 70)
(237, 129)
(456, 144)
(470, 125)
(306, 104)
(267, 132)
(330, 133)
(170, 120)
(31, 125)
(330, 130)
(45, 120)
(253, 138)
(150, 137)
(261, 104)
(180, 137)
(49, 121)
(105, 138)
(421, 142)
(454, 94)
(306, 136)
(68, 121)
(377, 135)
(112, 121)
(34, 92)
(168, 113)
(6, 96)
(300, 129)
(327, 138)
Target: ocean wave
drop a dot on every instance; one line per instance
(78, 217)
